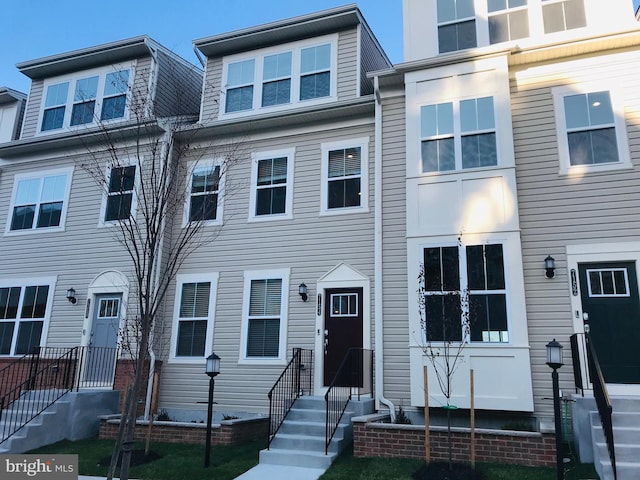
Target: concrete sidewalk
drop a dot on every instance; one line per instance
(281, 472)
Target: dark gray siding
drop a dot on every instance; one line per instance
(178, 87)
(371, 59)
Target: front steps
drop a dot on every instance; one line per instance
(300, 442)
(626, 434)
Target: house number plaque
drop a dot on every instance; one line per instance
(574, 283)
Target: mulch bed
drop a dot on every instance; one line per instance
(137, 458)
(441, 471)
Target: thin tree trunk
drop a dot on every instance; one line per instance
(449, 437)
(118, 444)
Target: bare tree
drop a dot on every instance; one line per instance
(145, 170)
(444, 321)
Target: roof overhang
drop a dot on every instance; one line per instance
(8, 95)
(283, 31)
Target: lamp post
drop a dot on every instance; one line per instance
(554, 360)
(212, 369)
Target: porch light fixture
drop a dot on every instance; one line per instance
(302, 291)
(71, 296)
(212, 369)
(554, 360)
(550, 266)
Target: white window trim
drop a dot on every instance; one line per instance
(284, 274)
(288, 209)
(181, 279)
(105, 194)
(26, 282)
(68, 171)
(363, 143)
(101, 73)
(617, 105)
(258, 82)
(221, 189)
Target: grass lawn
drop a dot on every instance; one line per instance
(178, 460)
(186, 461)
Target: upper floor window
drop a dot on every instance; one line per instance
(271, 197)
(24, 309)
(298, 72)
(456, 25)
(85, 100)
(345, 168)
(120, 197)
(204, 192)
(508, 20)
(465, 293)
(561, 15)
(458, 135)
(590, 134)
(40, 200)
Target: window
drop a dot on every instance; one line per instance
(23, 312)
(457, 135)
(451, 296)
(264, 330)
(608, 282)
(120, 194)
(40, 200)
(590, 134)
(272, 78)
(192, 337)
(315, 72)
(345, 170)
(508, 20)
(559, 16)
(456, 25)
(276, 76)
(272, 174)
(83, 100)
(240, 78)
(205, 188)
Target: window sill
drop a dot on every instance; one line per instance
(343, 211)
(271, 218)
(265, 361)
(577, 171)
(33, 231)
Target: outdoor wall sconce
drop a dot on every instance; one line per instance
(71, 296)
(550, 266)
(302, 290)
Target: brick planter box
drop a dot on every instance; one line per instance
(227, 432)
(374, 438)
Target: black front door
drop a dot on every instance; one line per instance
(610, 306)
(343, 327)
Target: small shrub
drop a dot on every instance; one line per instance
(401, 417)
(229, 417)
(163, 416)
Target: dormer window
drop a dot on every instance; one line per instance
(559, 16)
(508, 20)
(276, 78)
(456, 25)
(86, 99)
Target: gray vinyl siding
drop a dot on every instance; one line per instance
(30, 125)
(211, 97)
(395, 289)
(310, 245)
(178, 87)
(556, 211)
(372, 59)
(347, 64)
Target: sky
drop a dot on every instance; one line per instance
(33, 29)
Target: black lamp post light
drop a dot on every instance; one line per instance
(212, 369)
(554, 360)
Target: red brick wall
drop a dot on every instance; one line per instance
(124, 377)
(228, 433)
(407, 441)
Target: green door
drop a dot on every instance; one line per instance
(610, 306)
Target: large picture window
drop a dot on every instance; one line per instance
(40, 201)
(23, 313)
(458, 135)
(465, 293)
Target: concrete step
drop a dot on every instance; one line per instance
(307, 443)
(624, 470)
(307, 415)
(297, 458)
(625, 404)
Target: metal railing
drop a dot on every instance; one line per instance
(37, 380)
(293, 382)
(578, 345)
(354, 374)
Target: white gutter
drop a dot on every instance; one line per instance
(377, 248)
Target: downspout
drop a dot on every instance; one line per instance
(377, 247)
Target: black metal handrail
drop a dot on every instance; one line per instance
(355, 373)
(293, 382)
(603, 402)
(41, 378)
(578, 345)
